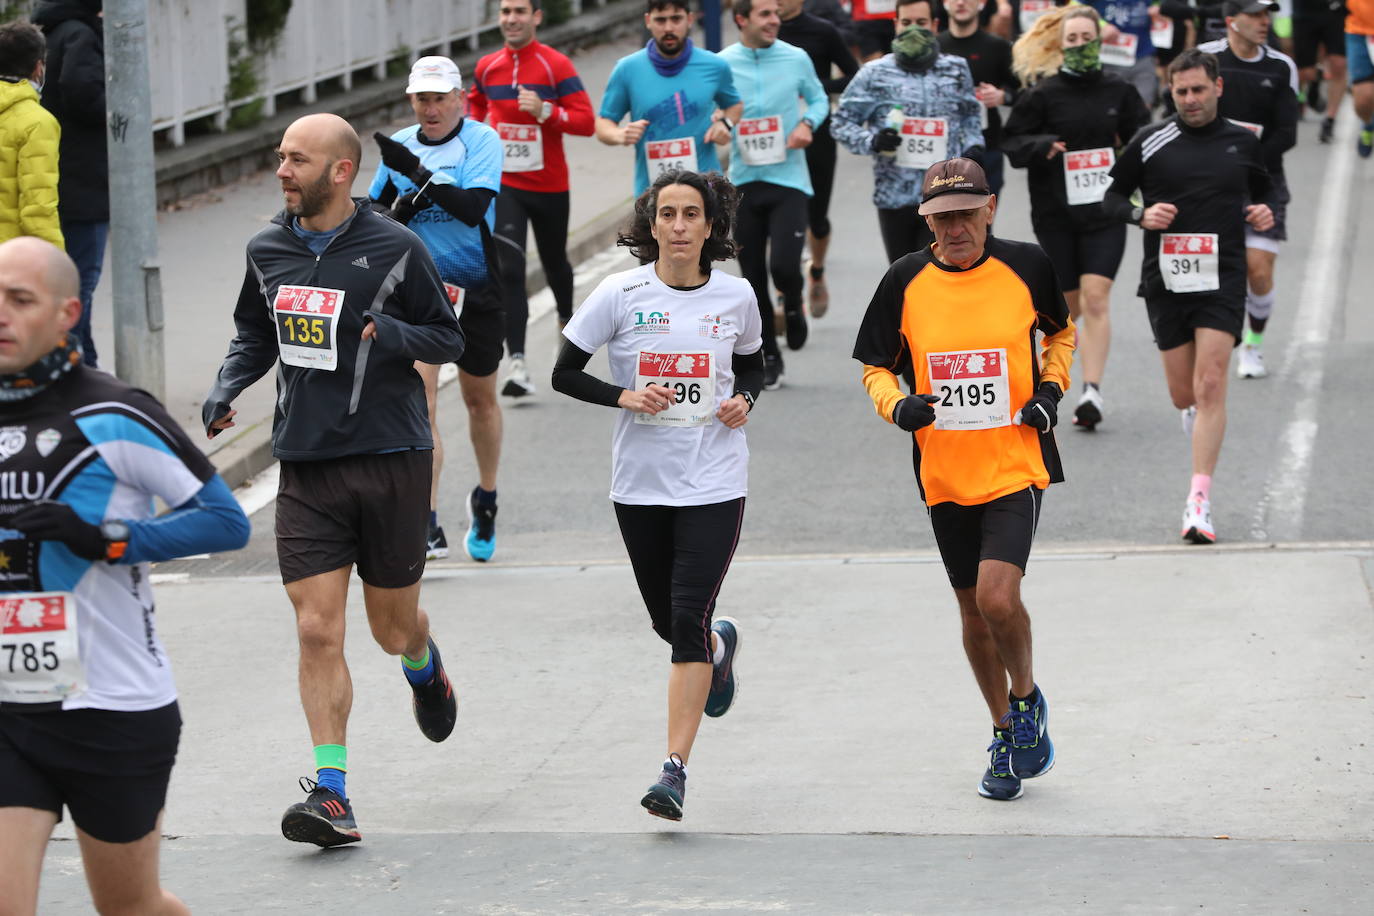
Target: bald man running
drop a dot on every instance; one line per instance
(343, 301)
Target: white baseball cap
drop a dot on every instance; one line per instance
(434, 74)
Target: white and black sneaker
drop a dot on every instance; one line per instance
(1250, 363)
(1088, 413)
(517, 383)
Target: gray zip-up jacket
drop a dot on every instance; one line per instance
(336, 393)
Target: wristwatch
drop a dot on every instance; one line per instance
(116, 535)
(1137, 214)
(545, 111)
(748, 399)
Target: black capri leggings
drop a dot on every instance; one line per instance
(680, 586)
(820, 162)
(516, 209)
(770, 227)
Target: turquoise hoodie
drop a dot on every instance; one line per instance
(774, 81)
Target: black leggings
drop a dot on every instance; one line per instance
(548, 211)
(903, 231)
(820, 162)
(770, 227)
(680, 586)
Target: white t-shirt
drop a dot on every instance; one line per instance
(635, 312)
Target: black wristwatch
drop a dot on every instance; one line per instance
(116, 535)
(748, 399)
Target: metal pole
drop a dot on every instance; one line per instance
(137, 286)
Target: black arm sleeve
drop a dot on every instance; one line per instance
(1126, 177)
(251, 354)
(748, 373)
(571, 378)
(387, 196)
(1176, 9)
(468, 205)
(1282, 134)
(426, 329)
(840, 57)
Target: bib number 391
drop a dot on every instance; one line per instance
(1188, 263)
(40, 661)
(308, 326)
(972, 387)
(692, 379)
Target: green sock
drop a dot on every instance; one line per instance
(416, 665)
(331, 763)
(1252, 338)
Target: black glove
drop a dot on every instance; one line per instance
(886, 140)
(49, 520)
(914, 412)
(403, 210)
(1042, 410)
(396, 157)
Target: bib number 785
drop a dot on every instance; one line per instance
(30, 657)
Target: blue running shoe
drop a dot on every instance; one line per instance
(999, 782)
(664, 798)
(1364, 143)
(1032, 751)
(723, 684)
(481, 540)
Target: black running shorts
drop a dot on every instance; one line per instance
(110, 769)
(1002, 529)
(1310, 30)
(372, 510)
(484, 332)
(1074, 254)
(1174, 318)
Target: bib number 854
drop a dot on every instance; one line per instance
(29, 657)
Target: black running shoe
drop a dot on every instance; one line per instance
(664, 798)
(1328, 130)
(1315, 100)
(772, 371)
(796, 329)
(436, 546)
(436, 708)
(724, 687)
(325, 818)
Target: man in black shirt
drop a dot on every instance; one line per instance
(343, 301)
(1203, 181)
(989, 59)
(1262, 95)
(826, 47)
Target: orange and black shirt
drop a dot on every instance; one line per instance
(969, 336)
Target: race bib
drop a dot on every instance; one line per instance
(679, 155)
(760, 140)
(924, 142)
(972, 387)
(876, 7)
(456, 294)
(692, 379)
(1256, 129)
(1120, 51)
(39, 657)
(1161, 30)
(308, 326)
(524, 147)
(1189, 263)
(1087, 174)
(1032, 10)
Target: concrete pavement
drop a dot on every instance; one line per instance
(1211, 755)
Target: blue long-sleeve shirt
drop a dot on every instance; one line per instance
(943, 91)
(771, 81)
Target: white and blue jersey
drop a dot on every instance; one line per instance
(470, 157)
(108, 450)
(772, 80)
(675, 106)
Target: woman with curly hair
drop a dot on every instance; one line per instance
(684, 344)
(1065, 133)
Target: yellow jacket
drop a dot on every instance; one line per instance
(29, 136)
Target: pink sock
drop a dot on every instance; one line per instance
(1201, 486)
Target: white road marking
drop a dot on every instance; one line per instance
(1279, 515)
(259, 491)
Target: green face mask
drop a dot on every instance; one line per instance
(916, 49)
(1085, 58)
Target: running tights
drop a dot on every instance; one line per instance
(770, 228)
(516, 209)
